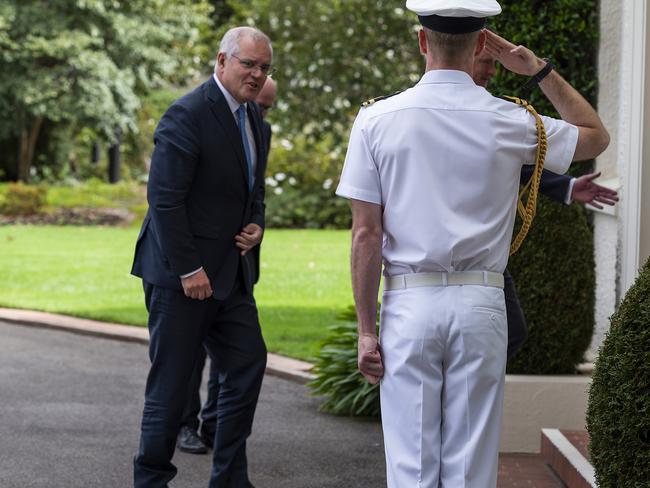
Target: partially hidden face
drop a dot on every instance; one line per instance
(244, 83)
(484, 69)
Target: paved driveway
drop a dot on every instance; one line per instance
(70, 409)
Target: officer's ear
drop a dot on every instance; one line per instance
(480, 43)
(422, 41)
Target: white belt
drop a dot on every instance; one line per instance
(415, 280)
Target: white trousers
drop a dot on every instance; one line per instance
(444, 352)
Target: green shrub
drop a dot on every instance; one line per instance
(301, 184)
(618, 416)
(74, 195)
(345, 390)
(19, 199)
(554, 274)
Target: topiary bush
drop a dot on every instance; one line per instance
(618, 416)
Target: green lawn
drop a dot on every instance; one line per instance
(84, 271)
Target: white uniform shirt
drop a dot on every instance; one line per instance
(444, 159)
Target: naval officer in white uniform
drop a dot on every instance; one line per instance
(432, 174)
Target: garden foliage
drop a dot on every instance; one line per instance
(618, 417)
(345, 390)
(329, 60)
(19, 200)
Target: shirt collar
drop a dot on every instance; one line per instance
(232, 103)
(445, 76)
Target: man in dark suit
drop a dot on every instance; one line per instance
(189, 439)
(561, 188)
(206, 212)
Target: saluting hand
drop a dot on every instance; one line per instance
(369, 359)
(197, 286)
(518, 59)
(586, 191)
(249, 237)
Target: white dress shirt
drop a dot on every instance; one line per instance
(234, 106)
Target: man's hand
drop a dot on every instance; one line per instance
(518, 59)
(586, 191)
(197, 286)
(249, 237)
(369, 358)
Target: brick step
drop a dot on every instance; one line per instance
(567, 456)
(519, 470)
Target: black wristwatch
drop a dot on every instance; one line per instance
(539, 76)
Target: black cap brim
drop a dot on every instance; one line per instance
(452, 25)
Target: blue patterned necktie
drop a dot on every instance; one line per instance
(241, 113)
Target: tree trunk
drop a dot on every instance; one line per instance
(26, 147)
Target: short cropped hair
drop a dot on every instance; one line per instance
(450, 47)
(230, 41)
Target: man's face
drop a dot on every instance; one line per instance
(266, 97)
(484, 69)
(243, 83)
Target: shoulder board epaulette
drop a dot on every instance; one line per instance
(367, 103)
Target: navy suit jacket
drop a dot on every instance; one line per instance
(552, 185)
(198, 194)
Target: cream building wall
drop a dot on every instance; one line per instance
(622, 234)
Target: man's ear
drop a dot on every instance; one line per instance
(221, 60)
(480, 43)
(422, 41)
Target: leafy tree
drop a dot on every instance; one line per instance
(83, 63)
(331, 56)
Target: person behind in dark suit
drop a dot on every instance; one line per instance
(206, 212)
(189, 438)
(561, 188)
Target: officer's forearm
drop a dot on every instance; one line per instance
(366, 274)
(366, 263)
(573, 108)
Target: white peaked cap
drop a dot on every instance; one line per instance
(454, 8)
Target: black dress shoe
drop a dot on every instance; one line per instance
(208, 439)
(189, 441)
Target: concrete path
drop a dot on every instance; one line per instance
(70, 409)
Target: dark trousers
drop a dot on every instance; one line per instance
(193, 414)
(517, 327)
(179, 327)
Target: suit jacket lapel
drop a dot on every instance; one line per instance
(221, 110)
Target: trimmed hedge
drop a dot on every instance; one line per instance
(555, 278)
(618, 416)
(553, 269)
